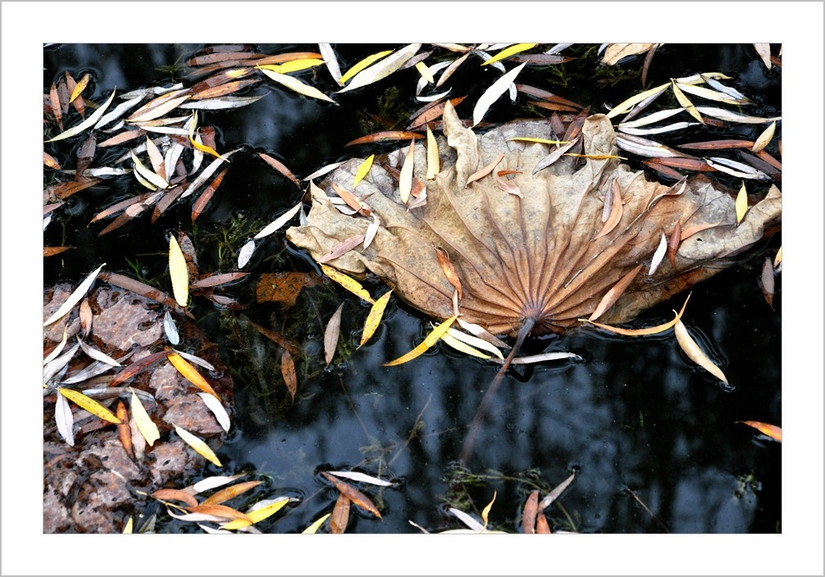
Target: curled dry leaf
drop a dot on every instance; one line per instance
(533, 257)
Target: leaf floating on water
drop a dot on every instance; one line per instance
(695, 352)
(64, 419)
(97, 354)
(374, 317)
(428, 342)
(614, 201)
(633, 100)
(200, 447)
(297, 85)
(246, 253)
(331, 334)
(462, 347)
(641, 332)
(382, 69)
(361, 478)
(363, 170)
(554, 494)
(175, 495)
(507, 52)
(425, 72)
(486, 511)
(362, 64)
(230, 492)
(741, 204)
(276, 225)
(340, 515)
(765, 138)
(494, 92)
(348, 283)
(75, 297)
(288, 373)
(313, 528)
(280, 167)
(763, 49)
(384, 136)
(148, 429)
(190, 373)
(179, 272)
(615, 52)
(93, 118)
(473, 341)
(771, 431)
(214, 405)
(727, 115)
(768, 281)
(89, 404)
(353, 494)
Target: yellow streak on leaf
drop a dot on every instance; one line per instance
(200, 447)
(741, 204)
(374, 317)
(199, 146)
(507, 52)
(633, 100)
(640, 332)
(80, 87)
(428, 341)
(433, 160)
(144, 423)
(257, 515)
(312, 529)
(348, 283)
(191, 373)
(363, 64)
(179, 272)
(292, 65)
(538, 140)
(462, 347)
(771, 431)
(695, 352)
(89, 404)
(363, 170)
(424, 71)
(685, 103)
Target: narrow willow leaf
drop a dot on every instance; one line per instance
(196, 142)
(633, 100)
(297, 85)
(170, 329)
(64, 419)
(374, 317)
(176, 495)
(468, 520)
(148, 429)
(711, 94)
(611, 296)
(727, 115)
(425, 72)
(230, 492)
(214, 405)
(75, 297)
(556, 492)
(685, 102)
(221, 511)
(406, 177)
(340, 515)
(494, 92)
(537, 140)
(507, 52)
(342, 248)
(97, 354)
(124, 429)
(433, 161)
(382, 68)
(372, 230)
(190, 373)
(363, 170)
(352, 201)
(616, 210)
(159, 106)
(292, 65)
(641, 332)
(279, 222)
(313, 528)
(764, 51)
(348, 283)
(361, 478)
(658, 255)
(198, 445)
(463, 347)
(772, 431)
(59, 348)
(737, 169)
(214, 482)
(259, 514)
(555, 155)
(482, 172)
(428, 342)
(89, 404)
(741, 203)
(529, 513)
(179, 272)
(362, 64)
(475, 342)
(93, 118)
(331, 61)
(449, 270)
(485, 513)
(764, 139)
(767, 280)
(353, 494)
(695, 352)
(331, 334)
(246, 253)
(544, 357)
(288, 373)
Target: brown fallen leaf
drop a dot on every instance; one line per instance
(230, 492)
(385, 136)
(530, 512)
(283, 287)
(124, 432)
(176, 495)
(340, 515)
(331, 334)
(542, 526)
(288, 373)
(771, 431)
(353, 494)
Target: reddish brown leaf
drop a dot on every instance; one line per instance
(220, 511)
(689, 231)
(175, 495)
(217, 279)
(385, 136)
(289, 56)
(278, 339)
(221, 78)
(771, 431)
(53, 250)
(230, 492)
(283, 287)
(351, 200)
(340, 515)
(169, 197)
(611, 296)
(673, 244)
(140, 288)
(430, 113)
(529, 513)
(206, 195)
(85, 314)
(54, 100)
(223, 89)
(288, 373)
(280, 167)
(64, 190)
(124, 431)
(665, 171)
(616, 210)
(449, 269)
(85, 154)
(542, 527)
(353, 494)
(717, 144)
(217, 57)
(342, 248)
(763, 154)
(136, 367)
(122, 138)
(685, 163)
(555, 106)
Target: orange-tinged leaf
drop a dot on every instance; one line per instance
(190, 373)
(206, 195)
(530, 513)
(616, 210)
(428, 342)
(91, 121)
(741, 203)
(198, 145)
(641, 332)
(374, 317)
(220, 511)
(50, 161)
(340, 515)
(280, 167)
(331, 334)
(179, 272)
(288, 373)
(485, 513)
(542, 526)
(768, 281)
(771, 431)
(695, 352)
(353, 494)
(124, 431)
(351, 200)
(258, 514)
(348, 283)
(342, 248)
(147, 428)
(673, 243)
(689, 231)
(448, 269)
(363, 171)
(611, 296)
(230, 492)
(198, 444)
(89, 404)
(384, 136)
(283, 287)
(362, 64)
(482, 172)
(176, 495)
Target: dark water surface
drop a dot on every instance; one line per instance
(639, 423)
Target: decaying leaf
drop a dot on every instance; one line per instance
(615, 52)
(191, 373)
(428, 342)
(331, 334)
(695, 352)
(530, 513)
(533, 258)
(382, 68)
(288, 373)
(353, 494)
(340, 515)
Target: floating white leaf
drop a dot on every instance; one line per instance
(361, 478)
(297, 86)
(276, 224)
(93, 118)
(493, 93)
(246, 253)
(217, 409)
(382, 68)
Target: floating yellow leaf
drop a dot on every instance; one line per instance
(428, 341)
(433, 161)
(424, 71)
(230, 492)
(142, 420)
(199, 145)
(179, 272)
(200, 447)
(363, 170)
(641, 332)
(374, 317)
(771, 431)
(685, 103)
(362, 64)
(258, 515)
(190, 373)
(297, 86)
(348, 283)
(312, 529)
(473, 341)
(741, 204)
(462, 347)
(89, 404)
(634, 100)
(507, 52)
(292, 65)
(695, 352)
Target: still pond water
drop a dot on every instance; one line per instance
(642, 427)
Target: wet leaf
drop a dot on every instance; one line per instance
(767, 281)
(475, 341)
(279, 222)
(468, 520)
(374, 317)
(695, 352)
(93, 118)
(148, 430)
(217, 409)
(616, 52)
(362, 64)
(641, 332)
(256, 515)
(542, 527)
(763, 49)
(190, 373)
(96, 354)
(381, 69)
(213, 482)
(340, 515)
(331, 334)
(727, 115)
(771, 431)
(462, 347)
(626, 105)
(64, 419)
(230, 492)
(175, 495)
(384, 136)
(361, 478)
(765, 138)
(428, 342)
(481, 173)
(530, 512)
(486, 511)
(348, 283)
(611, 296)
(288, 373)
(159, 106)
(711, 94)
(283, 287)
(179, 272)
(556, 492)
(507, 52)
(352, 201)
(89, 404)
(195, 141)
(614, 202)
(313, 528)
(297, 85)
(494, 92)
(74, 298)
(199, 446)
(221, 511)
(353, 494)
